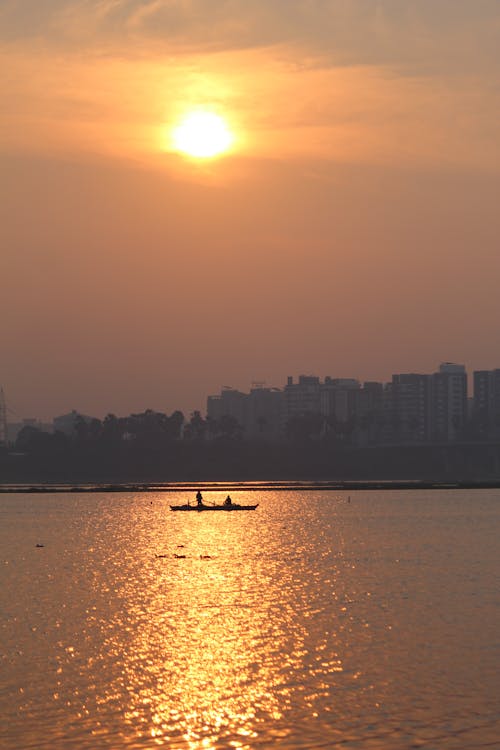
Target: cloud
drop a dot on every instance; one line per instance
(423, 36)
(368, 80)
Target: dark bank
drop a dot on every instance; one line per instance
(56, 459)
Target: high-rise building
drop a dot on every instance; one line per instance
(448, 402)
(422, 408)
(338, 398)
(264, 412)
(369, 411)
(228, 403)
(301, 398)
(257, 412)
(3, 419)
(409, 408)
(412, 408)
(486, 411)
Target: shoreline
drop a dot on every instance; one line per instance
(277, 486)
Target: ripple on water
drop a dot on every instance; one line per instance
(309, 623)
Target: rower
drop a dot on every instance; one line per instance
(228, 500)
(199, 498)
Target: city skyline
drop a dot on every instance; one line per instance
(341, 212)
(411, 409)
(346, 380)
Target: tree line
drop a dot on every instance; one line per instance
(152, 446)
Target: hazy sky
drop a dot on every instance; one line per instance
(352, 230)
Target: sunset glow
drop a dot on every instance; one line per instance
(202, 135)
(263, 175)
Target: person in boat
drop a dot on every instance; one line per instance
(199, 498)
(228, 500)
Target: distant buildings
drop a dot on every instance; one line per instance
(300, 399)
(65, 423)
(486, 403)
(448, 403)
(413, 408)
(3, 420)
(258, 412)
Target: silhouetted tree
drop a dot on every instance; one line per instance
(196, 428)
(111, 429)
(175, 422)
(227, 427)
(305, 427)
(28, 439)
(32, 440)
(95, 429)
(80, 428)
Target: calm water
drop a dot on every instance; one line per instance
(310, 623)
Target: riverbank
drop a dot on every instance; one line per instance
(340, 486)
(264, 465)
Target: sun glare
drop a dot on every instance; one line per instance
(202, 135)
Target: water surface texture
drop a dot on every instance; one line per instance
(312, 622)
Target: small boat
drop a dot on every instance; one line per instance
(199, 508)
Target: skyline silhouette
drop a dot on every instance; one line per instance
(347, 380)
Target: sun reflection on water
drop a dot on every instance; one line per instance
(211, 646)
(134, 627)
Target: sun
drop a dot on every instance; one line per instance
(202, 135)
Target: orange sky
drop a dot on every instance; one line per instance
(353, 229)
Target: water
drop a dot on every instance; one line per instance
(312, 622)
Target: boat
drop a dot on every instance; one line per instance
(199, 508)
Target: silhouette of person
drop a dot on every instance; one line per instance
(228, 500)
(199, 498)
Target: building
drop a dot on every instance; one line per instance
(301, 398)
(264, 412)
(486, 403)
(259, 412)
(408, 408)
(338, 400)
(369, 413)
(3, 420)
(448, 402)
(422, 408)
(412, 408)
(350, 412)
(229, 403)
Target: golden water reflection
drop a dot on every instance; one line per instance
(212, 638)
(310, 623)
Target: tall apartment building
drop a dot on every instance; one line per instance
(370, 412)
(258, 412)
(301, 398)
(486, 408)
(422, 408)
(448, 402)
(264, 412)
(338, 398)
(355, 411)
(3, 420)
(352, 411)
(229, 403)
(412, 408)
(408, 408)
